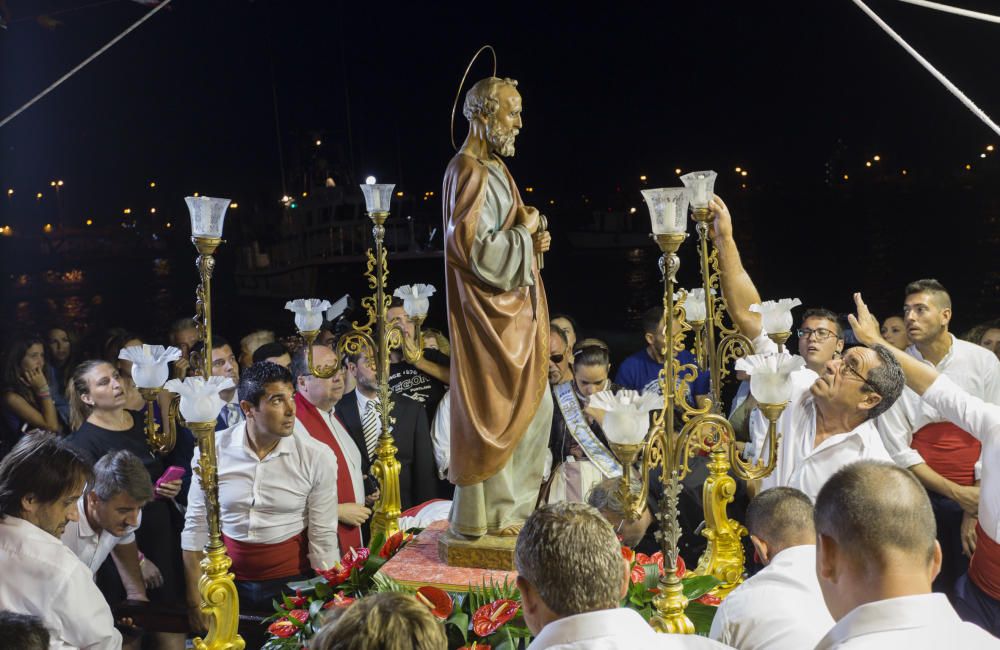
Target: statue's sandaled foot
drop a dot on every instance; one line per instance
(510, 531)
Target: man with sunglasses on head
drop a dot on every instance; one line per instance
(829, 422)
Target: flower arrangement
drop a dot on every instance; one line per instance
(488, 617)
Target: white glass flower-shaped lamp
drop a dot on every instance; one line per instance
(776, 318)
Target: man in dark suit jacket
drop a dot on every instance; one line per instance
(411, 433)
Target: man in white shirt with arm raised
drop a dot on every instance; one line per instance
(940, 453)
(830, 419)
(781, 607)
(41, 480)
(277, 497)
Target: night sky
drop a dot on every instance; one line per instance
(611, 91)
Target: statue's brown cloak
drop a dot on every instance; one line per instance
(499, 339)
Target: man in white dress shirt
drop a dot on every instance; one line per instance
(876, 558)
(41, 480)
(571, 592)
(277, 497)
(830, 419)
(315, 399)
(941, 454)
(109, 513)
(781, 607)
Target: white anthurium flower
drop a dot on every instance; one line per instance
(694, 304)
(308, 313)
(415, 298)
(337, 308)
(769, 375)
(149, 363)
(776, 315)
(627, 418)
(200, 400)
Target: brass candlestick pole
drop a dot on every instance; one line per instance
(219, 599)
(161, 437)
(376, 338)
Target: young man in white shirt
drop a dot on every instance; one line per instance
(277, 497)
(572, 578)
(830, 421)
(41, 480)
(876, 558)
(781, 607)
(940, 453)
(109, 513)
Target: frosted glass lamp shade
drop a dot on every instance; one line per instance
(701, 186)
(200, 400)
(308, 313)
(694, 304)
(207, 215)
(377, 196)
(626, 421)
(668, 208)
(769, 375)
(776, 315)
(149, 363)
(416, 299)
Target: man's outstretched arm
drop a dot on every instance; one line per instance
(737, 287)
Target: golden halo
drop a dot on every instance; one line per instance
(459, 93)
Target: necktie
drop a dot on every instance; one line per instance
(370, 426)
(232, 414)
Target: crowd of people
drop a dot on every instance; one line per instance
(879, 527)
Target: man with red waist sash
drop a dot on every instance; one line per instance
(943, 455)
(977, 594)
(277, 497)
(315, 399)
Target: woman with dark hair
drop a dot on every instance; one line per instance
(60, 358)
(102, 423)
(26, 396)
(581, 457)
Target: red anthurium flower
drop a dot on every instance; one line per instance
(475, 646)
(335, 576)
(282, 628)
(642, 558)
(491, 616)
(355, 558)
(628, 554)
(393, 543)
(299, 600)
(709, 599)
(638, 574)
(436, 600)
(339, 600)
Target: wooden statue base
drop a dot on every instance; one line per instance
(421, 562)
(486, 552)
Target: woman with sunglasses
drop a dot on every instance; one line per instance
(580, 453)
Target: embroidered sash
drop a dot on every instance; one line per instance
(577, 425)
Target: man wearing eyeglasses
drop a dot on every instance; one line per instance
(829, 422)
(943, 456)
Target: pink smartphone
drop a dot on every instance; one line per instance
(173, 473)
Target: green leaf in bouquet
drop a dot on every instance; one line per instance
(457, 625)
(698, 586)
(305, 586)
(501, 639)
(378, 541)
(315, 607)
(702, 616)
(382, 583)
(323, 591)
(651, 576)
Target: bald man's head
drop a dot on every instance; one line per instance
(781, 517)
(877, 511)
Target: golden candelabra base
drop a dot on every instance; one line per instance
(669, 243)
(217, 585)
(780, 338)
(386, 470)
(161, 437)
(723, 556)
(670, 604)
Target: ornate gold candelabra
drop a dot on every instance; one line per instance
(375, 339)
(161, 437)
(219, 599)
(680, 430)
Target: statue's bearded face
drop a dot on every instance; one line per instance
(503, 126)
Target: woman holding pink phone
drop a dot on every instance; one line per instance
(101, 423)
